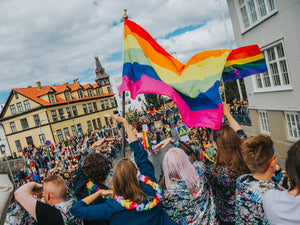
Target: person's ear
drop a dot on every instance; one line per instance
(273, 164)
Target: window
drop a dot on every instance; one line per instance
(59, 135)
(18, 145)
(27, 105)
(89, 125)
(106, 121)
(90, 92)
(80, 93)
(139, 99)
(127, 94)
(254, 11)
(36, 119)
(90, 107)
(108, 90)
(73, 128)
(106, 104)
(102, 105)
(94, 124)
(95, 106)
(29, 140)
(52, 97)
(293, 126)
(13, 127)
(42, 139)
(277, 76)
(16, 95)
(99, 122)
(85, 109)
(264, 124)
(112, 102)
(24, 124)
(68, 95)
(98, 91)
(111, 121)
(13, 109)
(61, 114)
(67, 133)
(69, 112)
(74, 109)
(79, 127)
(54, 116)
(20, 107)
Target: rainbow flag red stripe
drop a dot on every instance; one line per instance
(193, 87)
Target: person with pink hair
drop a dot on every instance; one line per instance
(187, 198)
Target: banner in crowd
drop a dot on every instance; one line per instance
(193, 87)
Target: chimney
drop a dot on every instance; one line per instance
(76, 81)
(38, 85)
(29, 86)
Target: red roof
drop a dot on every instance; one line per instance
(34, 93)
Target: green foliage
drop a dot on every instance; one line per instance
(153, 101)
(232, 91)
(132, 116)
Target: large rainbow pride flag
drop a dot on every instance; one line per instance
(194, 87)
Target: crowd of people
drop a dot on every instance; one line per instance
(240, 111)
(214, 177)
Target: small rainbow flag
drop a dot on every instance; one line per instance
(147, 142)
(194, 87)
(169, 109)
(243, 62)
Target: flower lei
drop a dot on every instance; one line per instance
(94, 188)
(128, 204)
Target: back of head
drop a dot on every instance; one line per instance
(125, 181)
(56, 187)
(228, 147)
(96, 167)
(292, 166)
(176, 164)
(257, 152)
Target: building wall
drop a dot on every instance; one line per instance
(3, 141)
(281, 26)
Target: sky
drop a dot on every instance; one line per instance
(55, 41)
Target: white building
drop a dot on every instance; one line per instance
(273, 96)
(3, 142)
(116, 81)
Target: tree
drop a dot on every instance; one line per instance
(132, 116)
(153, 101)
(232, 91)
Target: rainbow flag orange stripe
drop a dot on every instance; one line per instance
(147, 142)
(193, 87)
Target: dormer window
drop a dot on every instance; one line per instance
(52, 97)
(90, 92)
(98, 92)
(68, 95)
(80, 93)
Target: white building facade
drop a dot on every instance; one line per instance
(273, 96)
(116, 81)
(4, 147)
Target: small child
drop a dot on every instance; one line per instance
(259, 155)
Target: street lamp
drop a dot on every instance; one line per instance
(4, 152)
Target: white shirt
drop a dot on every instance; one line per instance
(281, 208)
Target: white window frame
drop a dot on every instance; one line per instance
(264, 122)
(277, 60)
(293, 132)
(259, 17)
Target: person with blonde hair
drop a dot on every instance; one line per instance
(135, 199)
(56, 208)
(187, 198)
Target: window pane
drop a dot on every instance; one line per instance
(74, 130)
(289, 124)
(245, 16)
(275, 74)
(262, 8)
(271, 5)
(298, 125)
(280, 51)
(271, 54)
(266, 79)
(241, 2)
(252, 11)
(258, 81)
(284, 73)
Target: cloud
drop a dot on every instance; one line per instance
(55, 41)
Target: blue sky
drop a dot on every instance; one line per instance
(54, 45)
